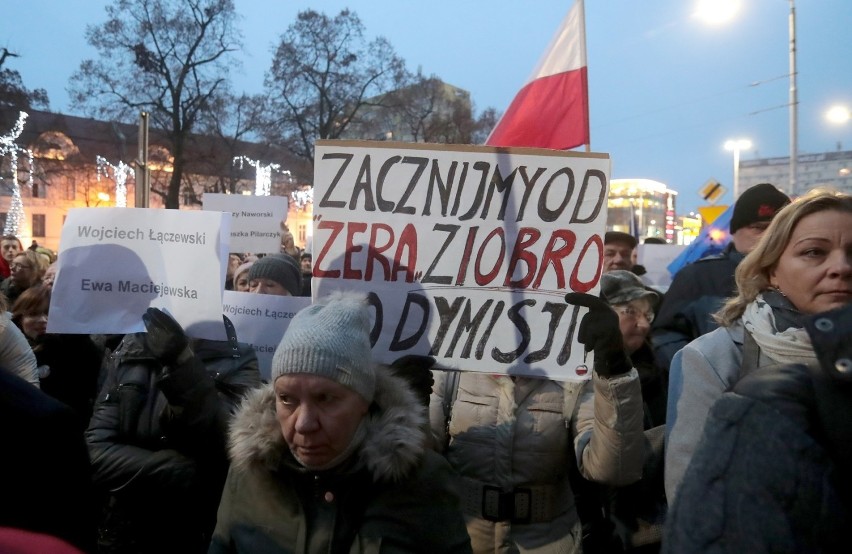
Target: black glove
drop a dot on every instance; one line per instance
(600, 331)
(416, 370)
(165, 338)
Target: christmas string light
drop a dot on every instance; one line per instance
(301, 198)
(10, 148)
(263, 174)
(120, 173)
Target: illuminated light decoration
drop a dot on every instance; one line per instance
(120, 173)
(263, 174)
(10, 148)
(301, 198)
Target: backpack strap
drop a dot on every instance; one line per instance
(751, 354)
(451, 392)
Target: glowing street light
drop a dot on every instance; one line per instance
(838, 114)
(719, 11)
(735, 146)
(716, 12)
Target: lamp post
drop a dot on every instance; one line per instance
(717, 11)
(794, 103)
(737, 145)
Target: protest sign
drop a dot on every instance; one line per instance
(261, 320)
(114, 263)
(656, 258)
(466, 252)
(255, 222)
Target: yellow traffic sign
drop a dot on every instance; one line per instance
(712, 191)
(710, 213)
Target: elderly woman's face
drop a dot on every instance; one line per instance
(634, 320)
(318, 417)
(815, 269)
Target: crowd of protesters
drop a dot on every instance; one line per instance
(715, 419)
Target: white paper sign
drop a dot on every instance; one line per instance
(114, 263)
(656, 258)
(466, 252)
(256, 220)
(261, 320)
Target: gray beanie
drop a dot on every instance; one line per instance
(282, 269)
(330, 338)
(621, 286)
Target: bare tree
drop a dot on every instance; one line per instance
(324, 72)
(13, 93)
(167, 57)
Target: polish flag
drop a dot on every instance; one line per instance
(552, 109)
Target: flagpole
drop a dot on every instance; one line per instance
(586, 83)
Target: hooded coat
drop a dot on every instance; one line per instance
(391, 495)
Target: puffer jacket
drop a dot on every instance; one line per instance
(771, 472)
(391, 495)
(511, 443)
(157, 440)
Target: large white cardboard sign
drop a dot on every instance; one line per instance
(116, 262)
(466, 252)
(256, 220)
(261, 321)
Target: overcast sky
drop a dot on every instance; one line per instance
(666, 89)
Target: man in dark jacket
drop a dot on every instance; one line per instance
(699, 289)
(157, 438)
(771, 473)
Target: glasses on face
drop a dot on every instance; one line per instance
(629, 311)
(16, 266)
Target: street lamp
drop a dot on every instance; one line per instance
(736, 145)
(716, 11)
(794, 103)
(838, 114)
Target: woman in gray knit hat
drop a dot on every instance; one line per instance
(277, 274)
(331, 455)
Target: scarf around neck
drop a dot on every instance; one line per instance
(778, 328)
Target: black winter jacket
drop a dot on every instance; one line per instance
(771, 473)
(157, 441)
(697, 291)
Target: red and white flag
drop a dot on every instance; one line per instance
(552, 109)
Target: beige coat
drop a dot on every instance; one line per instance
(512, 434)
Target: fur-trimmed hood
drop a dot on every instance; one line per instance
(395, 438)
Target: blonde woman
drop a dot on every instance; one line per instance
(801, 266)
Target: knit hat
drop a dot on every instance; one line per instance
(758, 203)
(330, 338)
(242, 268)
(282, 269)
(621, 286)
(617, 236)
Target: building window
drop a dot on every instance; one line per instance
(38, 225)
(70, 190)
(3, 216)
(303, 233)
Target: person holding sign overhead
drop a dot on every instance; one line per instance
(514, 439)
(157, 438)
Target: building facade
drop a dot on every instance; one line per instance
(75, 161)
(643, 208)
(828, 169)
